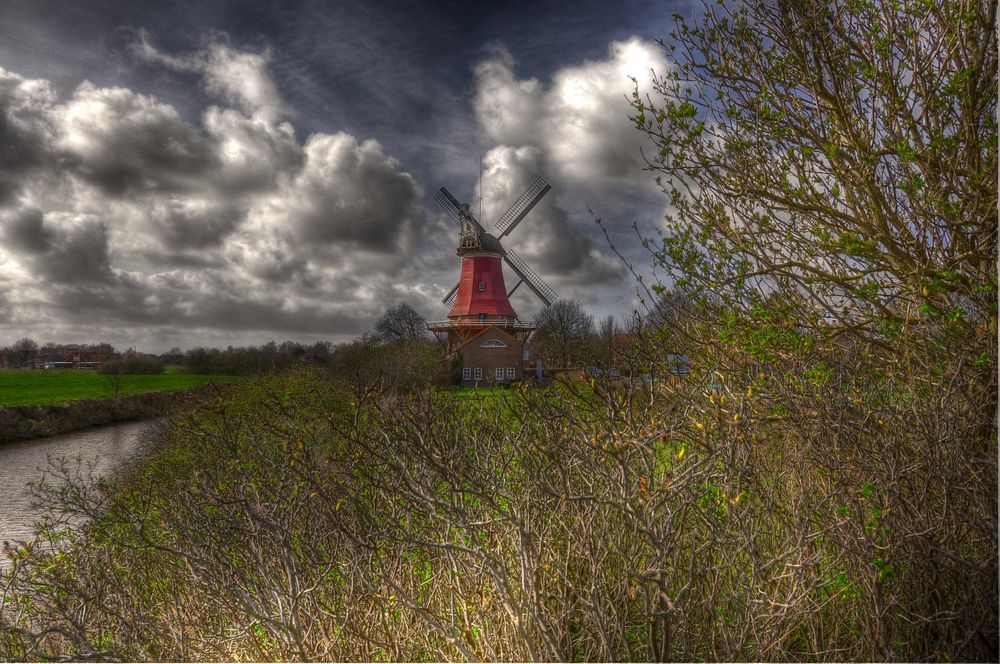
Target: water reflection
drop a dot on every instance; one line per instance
(103, 448)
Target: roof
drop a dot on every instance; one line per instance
(480, 334)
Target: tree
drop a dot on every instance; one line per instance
(563, 328)
(844, 150)
(601, 349)
(368, 368)
(831, 170)
(401, 324)
(24, 349)
(457, 364)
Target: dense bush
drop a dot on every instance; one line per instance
(588, 520)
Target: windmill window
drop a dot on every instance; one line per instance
(510, 373)
(482, 285)
(466, 373)
(478, 373)
(493, 343)
(499, 373)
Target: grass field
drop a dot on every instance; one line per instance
(48, 386)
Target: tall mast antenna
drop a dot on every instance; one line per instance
(481, 155)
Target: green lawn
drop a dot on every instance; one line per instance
(47, 386)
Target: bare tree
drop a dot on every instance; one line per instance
(401, 324)
(603, 341)
(563, 328)
(24, 349)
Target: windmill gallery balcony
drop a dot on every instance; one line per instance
(503, 323)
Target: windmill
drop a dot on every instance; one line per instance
(480, 299)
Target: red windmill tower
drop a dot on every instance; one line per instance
(482, 327)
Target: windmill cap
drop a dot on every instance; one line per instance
(490, 243)
(485, 243)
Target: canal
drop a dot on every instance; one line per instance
(22, 462)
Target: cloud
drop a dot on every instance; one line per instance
(26, 231)
(127, 143)
(125, 217)
(252, 155)
(507, 109)
(574, 130)
(350, 192)
(239, 78)
(24, 131)
(193, 223)
(580, 120)
(61, 249)
(547, 239)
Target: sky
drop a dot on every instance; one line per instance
(199, 173)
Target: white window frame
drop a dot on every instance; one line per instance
(467, 373)
(493, 343)
(477, 373)
(498, 372)
(482, 286)
(511, 373)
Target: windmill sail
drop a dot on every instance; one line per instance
(544, 292)
(449, 299)
(451, 207)
(522, 206)
(457, 212)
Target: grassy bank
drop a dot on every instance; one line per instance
(35, 421)
(52, 386)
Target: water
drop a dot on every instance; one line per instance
(24, 461)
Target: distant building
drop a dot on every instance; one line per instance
(482, 331)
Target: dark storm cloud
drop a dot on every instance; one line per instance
(230, 224)
(23, 131)
(353, 193)
(125, 143)
(25, 230)
(183, 226)
(156, 302)
(69, 250)
(79, 255)
(177, 259)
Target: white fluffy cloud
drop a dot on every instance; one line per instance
(238, 77)
(580, 120)
(547, 239)
(118, 216)
(575, 131)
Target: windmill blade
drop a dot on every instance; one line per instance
(522, 206)
(450, 206)
(453, 209)
(449, 299)
(535, 283)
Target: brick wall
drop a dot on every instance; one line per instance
(484, 352)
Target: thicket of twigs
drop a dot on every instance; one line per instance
(801, 509)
